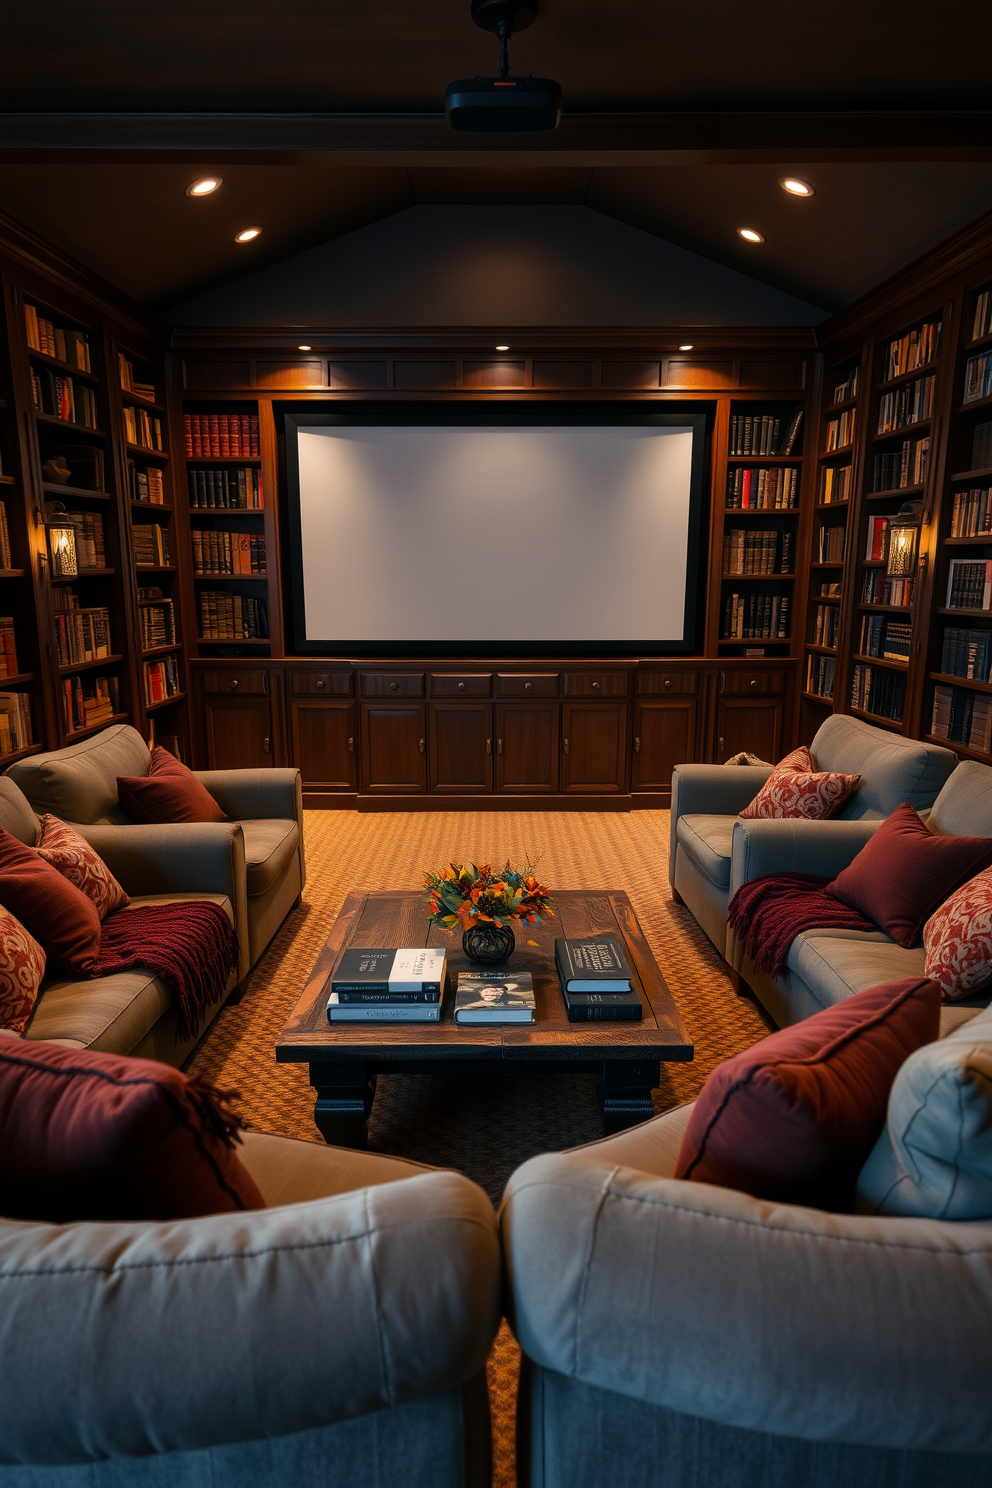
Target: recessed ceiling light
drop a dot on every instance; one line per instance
(795, 187)
(304, 348)
(750, 235)
(246, 235)
(204, 186)
(502, 348)
(687, 346)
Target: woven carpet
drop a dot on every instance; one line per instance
(485, 1127)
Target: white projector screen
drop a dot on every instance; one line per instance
(490, 534)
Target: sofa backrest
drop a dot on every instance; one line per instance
(892, 769)
(964, 806)
(16, 816)
(79, 784)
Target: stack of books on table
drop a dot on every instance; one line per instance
(497, 995)
(381, 984)
(596, 981)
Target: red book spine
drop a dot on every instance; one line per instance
(224, 432)
(234, 428)
(252, 433)
(214, 424)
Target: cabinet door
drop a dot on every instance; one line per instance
(324, 743)
(527, 748)
(754, 724)
(664, 736)
(394, 742)
(594, 748)
(239, 732)
(461, 748)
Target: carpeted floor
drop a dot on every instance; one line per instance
(485, 1127)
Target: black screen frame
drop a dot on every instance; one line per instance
(293, 418)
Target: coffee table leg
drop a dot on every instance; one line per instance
(624, 1093)
(344, 1101)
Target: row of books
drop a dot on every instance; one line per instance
(966, 653)
(142, 427)
(226, 490)
(232, 617)
(5, 558)
(94, 701)
(15, 722)
(878, 690)
(978, 377)
(151, 545)
(228, 552)
(8, 648)
(969, 584)
(128, 381)
(915, 349)
(877, 539)
(830, 544)
(846, 389)
(906, 405)
(82, 634)
(161, 679)
(52, 340)
(889, 639)
(156, 623)
(764, 434)
(221, 436)
(982, 320)
(981, 446)
(840, 431)
(63, 398)
(879, 589)
(820, 672)
(830, 588)
(835, 484)
(758, 616)
(962, 717)
(765, 551)
(146, 485)
(894, 470)
(91, 551)
(769, 488)
(971, 514)
(826, 624)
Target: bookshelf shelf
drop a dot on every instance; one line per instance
(842, 449)
(921, 371)
(831, 506)
(265, 641)
(880, 609)
(976, 404)
(879, 718)
(50, 421)
(19, 681)
(166, 568)
(818, 565)
(152, 506)
(177, 697)
(970, 475)
(252, 578)
(979, 342)
(144, 453)
(821, 650)
(882, 661)
(256, 460)
(78, 493)
(950, 681)
(84, 573)
(88, 666)
(7, 480)
(964, 749)
(759, 511)
(817, 697)
(141, 402)
(44, 360)
(74, 735)
(974, 614)
(829, 408)
(162, 650)
(12, 573)
(19, 754)
(981, 539)
(904, 491)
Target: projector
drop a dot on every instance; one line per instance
(503, 104)
(499, 104)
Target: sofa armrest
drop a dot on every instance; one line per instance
(791, 845)
(247, 795)
(717, 790)
(134, 1339)
(773, 1318)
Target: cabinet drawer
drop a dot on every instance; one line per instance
(320, 684)
(745, 683)
(527, 684)
(461, 684)
(665, 683)
(392, 684)
(235, 679)
(595, 684)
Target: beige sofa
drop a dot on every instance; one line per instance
(79, 784)
(336, 1338)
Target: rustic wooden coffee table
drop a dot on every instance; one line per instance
(346, 1059)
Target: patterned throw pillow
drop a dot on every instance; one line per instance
(22, 966)
(796, 788)
(79, 863)
(957, 939)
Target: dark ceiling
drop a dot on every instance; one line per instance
(322, 118)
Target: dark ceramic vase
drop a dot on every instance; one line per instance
(488, 945)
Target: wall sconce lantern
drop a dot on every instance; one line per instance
(904, 532)
(61, 542)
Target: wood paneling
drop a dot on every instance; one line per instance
(327, 684)
(665, 683)
(595, 684)
(417, 376)
(239, 732)
(664, 736)
(783, 374)
(594, 748)
(235, 680)
(481, 375)
(461, 748)
(696, 374)
(204, 374)
(324, 736)
(550, 375)
(356, 376)
(630, 375)
(394, 748)
(527, 684)
(751, 723)
(298, 374)
(392, 684)
(461, 684)
(527, 748)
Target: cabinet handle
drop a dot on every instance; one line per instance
(421, 746)
(719, 744)
(321, 684)
(234, 684)
(265, 744)
(595, 687)
(489, 746)
(461, 687)
(668, 683)
(393, 686)
(528, 686)
(637, 744)
(351, 744)
(499, 746)
(565, 743)
(754, 681)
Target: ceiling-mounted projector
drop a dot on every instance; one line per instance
(503, 103)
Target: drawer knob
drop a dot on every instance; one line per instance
(528, 686)
(595, 687)
(754, 681)
(393, 686)
(461, 687)
(234, 683)
(668, 683)
(321, 684)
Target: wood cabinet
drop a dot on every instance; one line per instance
(461, 748)
(324, 740)
(238, 718)
(394, 748)
(664, 736)
(750, 714)
(594, 748)
(527, 748)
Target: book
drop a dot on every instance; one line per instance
(603, 1007)
(495, 996)
(384, 1012)
(384, 972)
(594, 965)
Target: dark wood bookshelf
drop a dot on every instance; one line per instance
(16, 681)
(945, 679)
(962, 749)
(52, 421)
(882, 661)
(69, 668)
(976, 404)
(903, 431)
(903, 491)
(84, 573)
(78, 493)
(177, 697)
(923, 371)
(162, 650)
(58, 366)
(145, 454)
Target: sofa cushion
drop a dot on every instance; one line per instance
(270, 846)
(53, 910)
(706, 841)
(906, 871)
(16, 816)
(957, 939)
(837, 964)
(892, 769)
(796, 789)
(934, 1157)
(794, 1117)
(290, 1171)
(88, 1136)
(167, 792)
(22, 967)
(79, 784)
(72, 856)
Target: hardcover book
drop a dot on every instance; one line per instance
(495, 996)
(379, 970)
(603, 1007)
(596, 965)
(382, 1012)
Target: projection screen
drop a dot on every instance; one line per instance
(473, 536)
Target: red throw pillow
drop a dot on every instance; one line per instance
(22, 966)
(97, 1136)
(73, 857)
(958, 940)
(796, 788)
(168, 793)
(905, 871)
(794, 1118)
(53, 910)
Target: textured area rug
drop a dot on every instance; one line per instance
(487, 1126)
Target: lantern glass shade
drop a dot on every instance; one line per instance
(62, 548)
(902, 550)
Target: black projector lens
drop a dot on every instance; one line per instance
(499, 105)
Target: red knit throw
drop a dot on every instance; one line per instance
(192, 945)
(767, 915)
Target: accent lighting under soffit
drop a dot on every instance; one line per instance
(247, 234)
(750, 235)
(795, 187)
(205, 186)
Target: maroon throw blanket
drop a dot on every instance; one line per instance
(767, 915)
(192, 945)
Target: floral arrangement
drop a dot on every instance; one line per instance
(465, 895)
